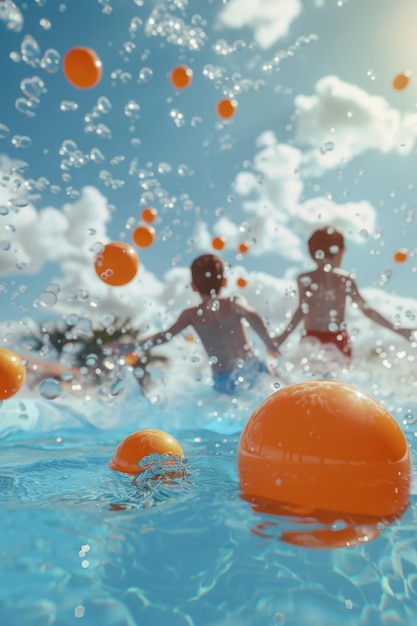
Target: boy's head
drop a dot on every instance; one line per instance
(207, 274)
(326, 244)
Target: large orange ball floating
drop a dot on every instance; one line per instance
(143, 236)
(181, 77)
(82, 68)
(149, 214)
(325, 445)
(12, 373)
(401, 81)
(218, 243)
(401, 256)
(226, 108)
(117, 264)
(140, 444)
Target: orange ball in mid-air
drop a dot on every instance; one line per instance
(243, 248)
(82, 67)
(181, 77)
(401, 256)
(325, 445)
(117, 264)
(12, 373)
(401, 81)
(218, 243)
(141, 444)
(143, 236)
(241, 282)
(226, 108)
(149, 214)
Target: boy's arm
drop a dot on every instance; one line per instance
(258, 326)
(166, 335)
(295, 320)
(374, 315)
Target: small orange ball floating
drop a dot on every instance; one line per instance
(241, 282)
(401, 255)
(401, 81)
(325, 445)
(226, 108)
(82, 67)
(143, 236)
(141, 444)
(117, 264)
(12, 373)
(181, 77)
(149, 214)
(218, 243)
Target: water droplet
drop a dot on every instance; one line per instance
(68, 105)
(51, 61)
(21, 141)
(26, 106)
(45, 23)
(30, 51)
(91, 360)
(117, 387)
(11, 15)
(145, 74)
(33, 87)
(50, 389)
(104, 105)
(47, 299)
(132, 109)
(4, 245)
(4, 131)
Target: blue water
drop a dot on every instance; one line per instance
(80, 543)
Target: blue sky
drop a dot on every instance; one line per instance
(319, 134)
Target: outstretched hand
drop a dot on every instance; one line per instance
(407, 333)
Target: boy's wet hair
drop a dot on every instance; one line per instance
(325, 243)
(207, 273)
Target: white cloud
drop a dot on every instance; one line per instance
(269, 19)
(342, 121)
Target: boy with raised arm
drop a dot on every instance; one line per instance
(218, 323)
(323, 293)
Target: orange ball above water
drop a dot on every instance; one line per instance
(149, 214)
(117, 264)
(401, 81)
(401, 256)
(12, 373)
(82, 68)
(226, 108)
(140, 444)
(181, 77)
(218, 243)
(143, 236)
(325, 445)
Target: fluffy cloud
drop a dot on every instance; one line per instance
(269, 19)
(276, 219)
(342, 121)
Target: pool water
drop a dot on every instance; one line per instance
(81, 543)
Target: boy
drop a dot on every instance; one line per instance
(323, 293)
(218, 323)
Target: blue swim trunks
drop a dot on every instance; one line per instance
(240, 379)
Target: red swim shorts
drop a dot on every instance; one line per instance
(339, 339)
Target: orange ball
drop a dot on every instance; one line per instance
(401, 256)
(226, 108)
(131, 358)
(12, 373)
(325, 445)
(143, 236)
(401, 81)
(181, 77)
(82, 68)
(141, 444)
(243, 248)
(241, 282)
(117, 264)
(149, 214)
(218, 243)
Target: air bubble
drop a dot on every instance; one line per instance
(11, 16)
(145, 74)
(47, 299)
(21, 141)
(68, 105)
(51, 61)
(30, 51)
(4, 131)
(33, 87)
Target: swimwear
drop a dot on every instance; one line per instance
(340, 339)
(241, 378)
